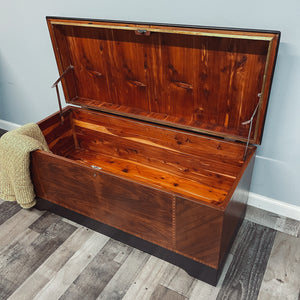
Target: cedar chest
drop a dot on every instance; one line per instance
(160, 145)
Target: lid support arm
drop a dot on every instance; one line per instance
(55, 84)
(250, 121)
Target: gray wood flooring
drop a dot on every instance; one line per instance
(44, 256)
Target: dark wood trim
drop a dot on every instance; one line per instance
(166, 24)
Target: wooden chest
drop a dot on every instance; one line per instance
(161, 150)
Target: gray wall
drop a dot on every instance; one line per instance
(27, 67)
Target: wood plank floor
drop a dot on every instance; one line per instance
(44, 256)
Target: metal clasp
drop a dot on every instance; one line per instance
(55, 84)
(96, 167)
(142, 32)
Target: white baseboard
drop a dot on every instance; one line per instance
(8, 125)
(274, 206)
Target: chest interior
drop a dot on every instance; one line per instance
(185, 163)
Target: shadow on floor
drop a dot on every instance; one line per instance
(2, 131)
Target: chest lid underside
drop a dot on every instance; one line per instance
(201, 79)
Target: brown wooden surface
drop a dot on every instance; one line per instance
(198, 231)
(166, 186)
(200, 168)
(134, 208)
(178, 140)
(59, 136)
(235, 211)
(205, 80)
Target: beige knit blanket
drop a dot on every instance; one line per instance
(15, 148)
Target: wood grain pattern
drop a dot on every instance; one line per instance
(281, 280)
(150, 176)
(143, 168)
(200, 290)
(177, 280)
(195, 167)
(249, 262)
(72, 268)
(180, 162)
(147, 280)
(178, 140)
(15, 226)
(7, 210)
(272, 220)
(146, 212)
(198, 231)
(216, 79)
(58, 136)
(282, 265)
(93, 279)
(179, 190)
(23, 259)
(162, 292)
(125, 276)
(235, 211)
(44, 221)
(43, 274)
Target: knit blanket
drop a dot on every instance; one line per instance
(15, 148)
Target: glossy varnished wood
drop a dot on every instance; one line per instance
(189, 165)
(175, 189)
(146, 212)
(235, 210)
(132, 157)
(198, 231)
(58, 135)
(201, 79)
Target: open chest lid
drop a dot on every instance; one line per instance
(202, 79)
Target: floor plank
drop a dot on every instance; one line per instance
(163, 293)
(37, 280)
(147, 280)
(251, 253)
(282, 277)
(204, 291)
(125, 276)
(59, 283)
(93, 279)
(292, 227)
(41, 257)
(11, 229)
(20, 259)
(178, 280)
(44, 221)
(272, 220)
(8, 209)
